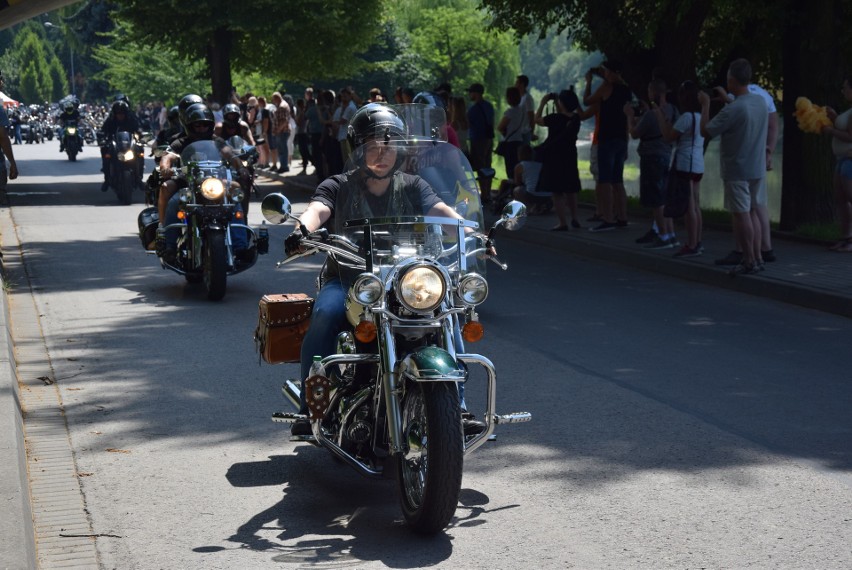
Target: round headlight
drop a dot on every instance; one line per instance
(72, 131)
(368, 289)
(237, 194)
(212, 188)
(473, 289)
(126, 156)
(421, 288)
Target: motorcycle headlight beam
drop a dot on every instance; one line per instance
(473, 289)
(212, 189)
(368, 289)
(72, 131)
(421, 288)
(126, 156)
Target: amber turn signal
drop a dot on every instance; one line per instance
(473, 331)
(238, 215)
(365, 331)
(181, 215)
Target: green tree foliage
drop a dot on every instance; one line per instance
(146, 73)
(36, 84)
(297, 39)
(799, 46)
(58, 80)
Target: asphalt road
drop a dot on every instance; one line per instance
(674, 425)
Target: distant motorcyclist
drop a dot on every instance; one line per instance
(70, 112)
(233, 125)
(120, 119)
(198, 125)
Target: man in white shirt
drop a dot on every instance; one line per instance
(347, 109)
(528, 105)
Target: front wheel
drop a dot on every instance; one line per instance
(430, 469)
(215, 264)
(125, 187)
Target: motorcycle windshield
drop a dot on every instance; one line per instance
(201, 151)
(237, 143)
(122, 140)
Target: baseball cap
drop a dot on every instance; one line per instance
(476, 88)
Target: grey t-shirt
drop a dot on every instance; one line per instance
(742, 126)
(651, 141)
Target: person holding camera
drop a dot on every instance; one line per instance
(610, 96)
(558, 154)
(655, 155)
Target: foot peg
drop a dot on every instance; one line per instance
(513, 418)
(287, 417)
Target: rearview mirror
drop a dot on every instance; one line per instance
(276, 208)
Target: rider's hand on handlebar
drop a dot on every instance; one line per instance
(293, 243)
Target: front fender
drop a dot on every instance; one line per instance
(431, 364)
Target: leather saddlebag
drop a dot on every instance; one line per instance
(282, 323)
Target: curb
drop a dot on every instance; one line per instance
(778, 290)
(17, 533)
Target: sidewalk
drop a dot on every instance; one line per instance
(806, 273)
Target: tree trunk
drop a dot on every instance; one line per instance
(219, 62)
(672, 55)
(813, 67)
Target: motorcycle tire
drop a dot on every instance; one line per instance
(71, 151)
(125, 188)
(215, 264)
(430, 469)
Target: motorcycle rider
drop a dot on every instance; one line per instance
(375, 187)
(70, 112)
(120, 119)
(172, 129)
(198, 126)
(233, 125)
(5, 143)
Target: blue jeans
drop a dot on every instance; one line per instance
(327, 321)
(239, 236)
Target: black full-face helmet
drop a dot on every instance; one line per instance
(231, 114)
(199, 113)
(185, 103)
(375, 121)
(120, 106)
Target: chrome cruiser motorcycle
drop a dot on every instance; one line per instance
(389, 402)
(213, 240)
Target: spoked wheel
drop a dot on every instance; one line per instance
(215, 265)
(430, 469)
